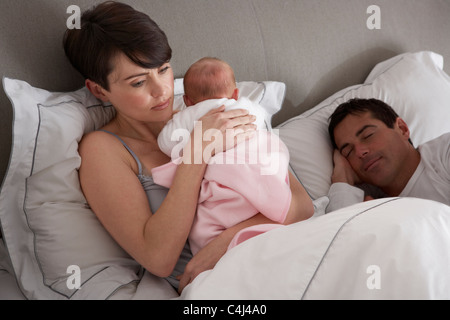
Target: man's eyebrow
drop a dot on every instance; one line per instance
(358, 133)
(136, 75)
(364, 128)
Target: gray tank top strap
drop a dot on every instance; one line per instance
(128, 148)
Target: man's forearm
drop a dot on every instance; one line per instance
(343, 195)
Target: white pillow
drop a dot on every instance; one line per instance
(413, 84)
(47, 226)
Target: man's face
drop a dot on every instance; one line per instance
(378, 154)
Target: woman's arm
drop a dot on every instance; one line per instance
(116, 196)
(301, 207)
(119, 201)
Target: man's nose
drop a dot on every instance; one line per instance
(361, 150)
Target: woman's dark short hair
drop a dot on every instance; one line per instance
(377, 108)
(111, 28)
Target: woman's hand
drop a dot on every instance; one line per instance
(204, 260)
(209, 255)
(218, 131)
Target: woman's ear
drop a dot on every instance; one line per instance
(97, 90)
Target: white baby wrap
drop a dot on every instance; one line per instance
(176, 132)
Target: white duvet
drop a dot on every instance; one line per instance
(395, 248)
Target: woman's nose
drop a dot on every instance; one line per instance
(158, 89)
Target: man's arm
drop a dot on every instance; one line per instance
(343, 192)
(342, 195)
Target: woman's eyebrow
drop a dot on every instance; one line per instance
(136, 75)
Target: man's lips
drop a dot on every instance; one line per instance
(370, 163)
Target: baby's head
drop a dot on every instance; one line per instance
(209, 78)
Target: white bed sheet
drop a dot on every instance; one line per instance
(150, 287)
(8, 284)
(395, 248)
(9, 289)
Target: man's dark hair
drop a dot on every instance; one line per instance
(111, 28)
(378, 109)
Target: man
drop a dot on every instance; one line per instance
(373, 151)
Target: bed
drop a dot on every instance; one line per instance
(299, 59)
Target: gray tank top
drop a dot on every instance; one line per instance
(156, 195)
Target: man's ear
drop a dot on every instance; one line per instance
(401, 125)
(97, 90)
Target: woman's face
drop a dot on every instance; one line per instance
(141, 94)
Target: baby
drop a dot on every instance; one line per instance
(234, 187)
(209, 83)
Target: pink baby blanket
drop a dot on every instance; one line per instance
(251, 178)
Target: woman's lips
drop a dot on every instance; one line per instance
(162, 106)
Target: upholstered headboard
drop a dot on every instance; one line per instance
(316, 47)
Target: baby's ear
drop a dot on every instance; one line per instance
(187, 101)
(235, 95)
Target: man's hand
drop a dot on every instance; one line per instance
(342, 171)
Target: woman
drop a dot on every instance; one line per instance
(124, 57)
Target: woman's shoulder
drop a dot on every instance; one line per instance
(100, 145)
(100, 148)
(98, 140)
